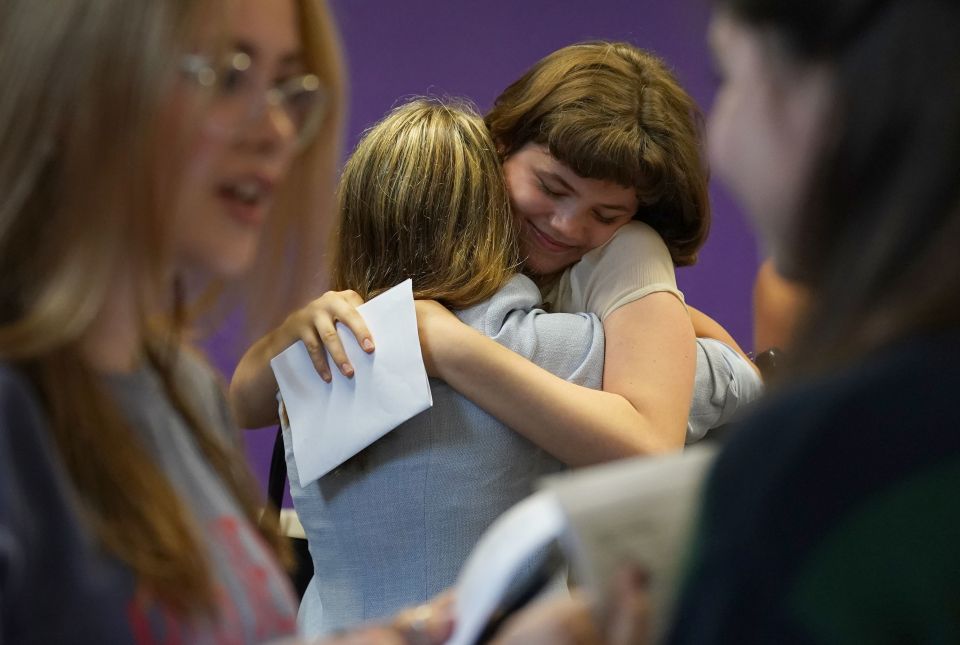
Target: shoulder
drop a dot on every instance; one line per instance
(518, 294)
(20, 408)
(207, 388)
(193, 368)
(639, 233)
(892, 415)
(634, 263)
(911, 382)
(27, 461)
(633, 240)
(866, 455)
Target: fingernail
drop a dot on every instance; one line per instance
(368, 344)
(326, 377)
(346, 369)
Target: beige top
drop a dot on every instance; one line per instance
(634, 263)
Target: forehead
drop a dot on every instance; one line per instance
(600, 189)
(269, 25)
(725, 35)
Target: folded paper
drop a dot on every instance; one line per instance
(331, 422)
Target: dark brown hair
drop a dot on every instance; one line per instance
(878, 237)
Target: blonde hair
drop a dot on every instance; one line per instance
(613, 112)
(423, 197)
(84, 197)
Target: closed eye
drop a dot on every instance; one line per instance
(546, 189)
(605, 220)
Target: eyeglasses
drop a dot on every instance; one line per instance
(235, 100)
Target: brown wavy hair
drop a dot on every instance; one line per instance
(92, 81)
(613, 112)
(423, 197)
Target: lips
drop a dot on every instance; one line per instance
(546, 242)
(247, 198)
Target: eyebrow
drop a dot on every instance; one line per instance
(566, 186)
(293, 58)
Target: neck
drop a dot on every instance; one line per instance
(544, 282)
(114, 341)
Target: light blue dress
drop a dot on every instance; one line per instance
(392, 527)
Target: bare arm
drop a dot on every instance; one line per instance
(643, 408)
(777, 304)
(706, 327)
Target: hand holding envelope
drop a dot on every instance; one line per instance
(331, 422)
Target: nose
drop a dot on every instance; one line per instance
(268, 130)
(567, 221)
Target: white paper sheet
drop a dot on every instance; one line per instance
(331, 422)
(638, 511)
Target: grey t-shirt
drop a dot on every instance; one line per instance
(56, 583)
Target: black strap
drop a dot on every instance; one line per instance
(277, 479)
(302, 571)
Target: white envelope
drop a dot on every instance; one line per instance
(331, 422)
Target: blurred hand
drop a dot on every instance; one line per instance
(428, 624)
(570, 620)
(555, 621)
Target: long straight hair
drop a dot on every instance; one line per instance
(878, 237)
(84, 194)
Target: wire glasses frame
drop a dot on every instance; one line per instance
(235, 100)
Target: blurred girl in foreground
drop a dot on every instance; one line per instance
(148, 151)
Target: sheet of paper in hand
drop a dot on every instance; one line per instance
(331, 422)
(637, 511)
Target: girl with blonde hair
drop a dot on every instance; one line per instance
(148, 152)
(422, 197)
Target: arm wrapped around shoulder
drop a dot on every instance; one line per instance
(724, 386)
(570, 346)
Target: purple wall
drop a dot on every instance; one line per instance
(469, 48)
(475, 49)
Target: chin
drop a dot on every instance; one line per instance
(537, 268)
(228, 265)
(230, 268)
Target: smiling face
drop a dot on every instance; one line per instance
(562, 215)
(237, 163)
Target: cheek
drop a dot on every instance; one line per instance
(741, 145)
(198, 180)
(722, 136)
(526, 199)
(204, 157)
(528, 202)
(748, 151)
(600, 233)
